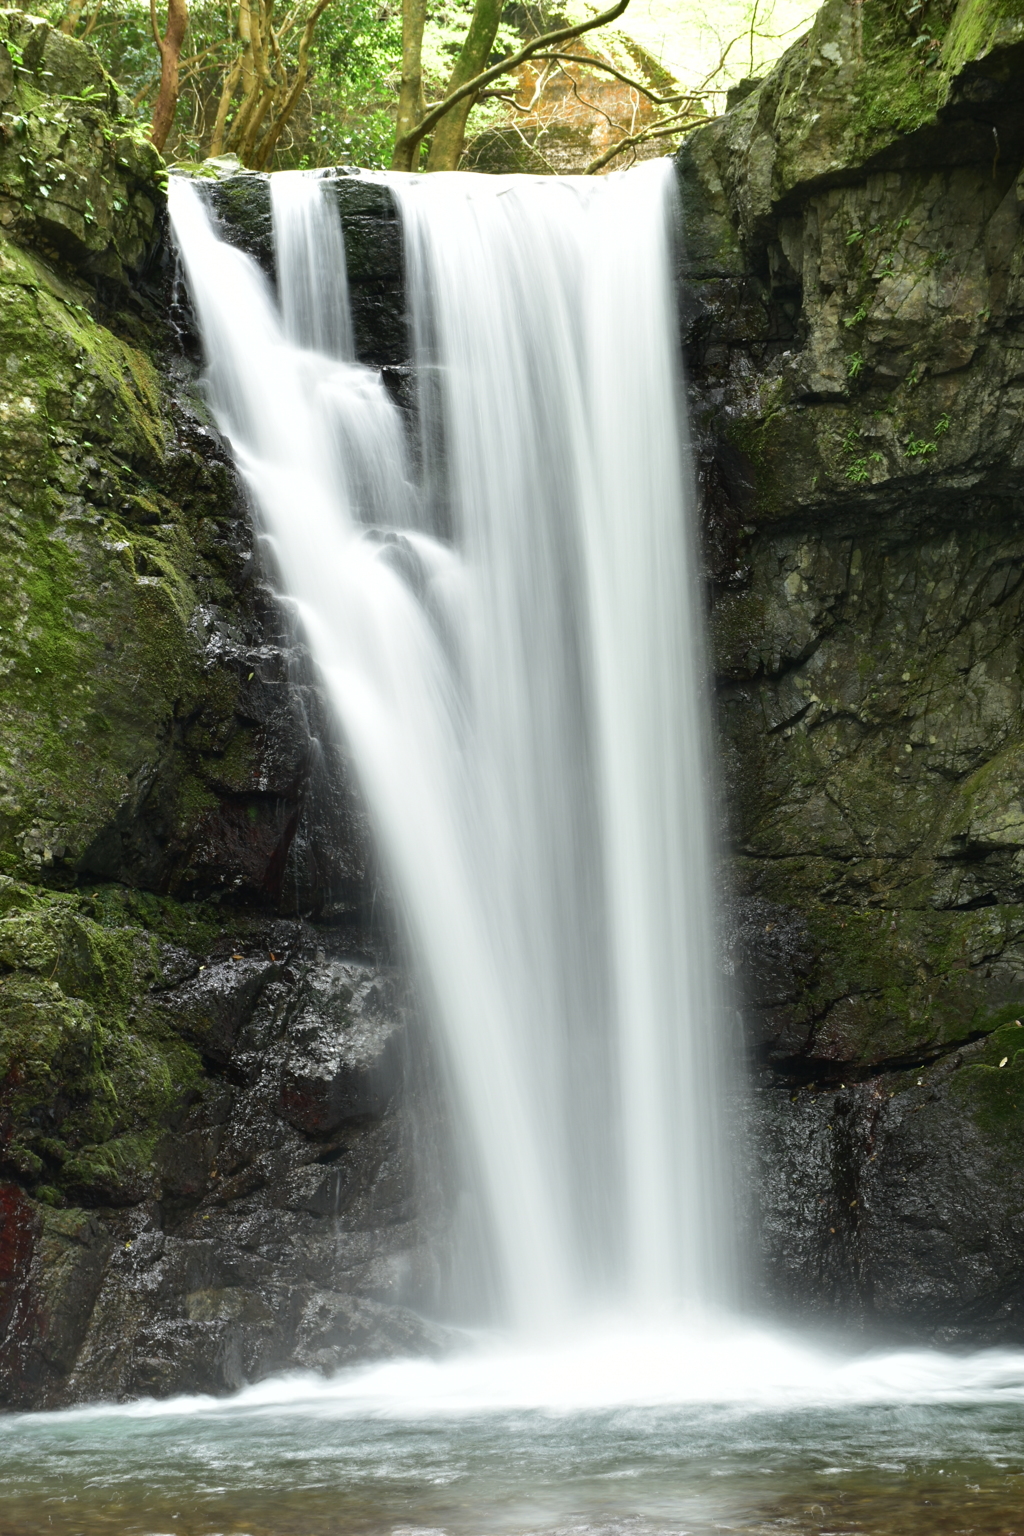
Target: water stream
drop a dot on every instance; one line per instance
(502, 604)
(513, 645)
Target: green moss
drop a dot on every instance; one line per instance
(95, 649)
(108, 534)
(987, 809)
(195, 926)
(991, 1090)
(761, 437)
(119, 1170)
(90, 1071)
(895, 93)
(910, 56)
(899, 983)
(976, 25)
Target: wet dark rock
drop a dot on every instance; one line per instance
(346, 1068)
(273, 1220)
(895, 1204)
(201, 1035)
(212, 1009)
(852, 304)
(241, 203)
(206, 1156)
(373, 255)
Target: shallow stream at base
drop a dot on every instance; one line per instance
(684, 1429)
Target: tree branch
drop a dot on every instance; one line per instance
(408, 142)
(645, 90)
(273, 133)
(660, 130)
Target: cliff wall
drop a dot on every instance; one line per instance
(204, 1174)
(854, 277)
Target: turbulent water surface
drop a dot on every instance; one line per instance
(632, 1434)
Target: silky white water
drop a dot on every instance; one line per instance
(512, 642)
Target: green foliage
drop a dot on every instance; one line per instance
(923, 448)
(902, 82)
(346, 117)
(356, 54)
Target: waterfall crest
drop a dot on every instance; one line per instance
(512, 641)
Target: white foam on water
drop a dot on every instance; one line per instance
(613, 1366)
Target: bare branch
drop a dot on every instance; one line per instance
(407, 143)
(636, 85)
(592, 106)
(660, 130)
(273, 133)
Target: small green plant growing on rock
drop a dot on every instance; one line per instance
(855, 365)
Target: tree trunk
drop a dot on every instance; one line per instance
(279, 122)
(449, 135)
(410, 95)
(72, 17)
(170, 54)
(224, 106)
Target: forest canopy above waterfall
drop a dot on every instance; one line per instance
(656, 69)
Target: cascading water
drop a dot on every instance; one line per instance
(513, 647)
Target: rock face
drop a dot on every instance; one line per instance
(204, 1169)
(854, 284)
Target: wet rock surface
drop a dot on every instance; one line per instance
(853, 301)
(373, 255)
(261, 1215)
(205, 1167)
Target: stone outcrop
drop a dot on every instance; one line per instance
(204, 1165)
(854, 290)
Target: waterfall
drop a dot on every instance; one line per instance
(511, 637)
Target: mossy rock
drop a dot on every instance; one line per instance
(78, 177)
(990, 1089)
(91, 1070)
(96, 650)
